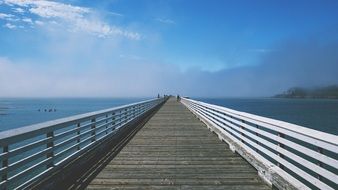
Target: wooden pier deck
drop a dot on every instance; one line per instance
(174, 150)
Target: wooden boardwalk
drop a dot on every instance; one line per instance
(174, 150)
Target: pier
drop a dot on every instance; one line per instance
(168, 144)
(174, 150)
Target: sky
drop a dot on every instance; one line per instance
(198, 48)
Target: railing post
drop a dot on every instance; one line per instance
(120, 118)
(231, 122)
(242, 134)
(93, 127)
(78, 132)
(50, 145)
(319, 163)
(106, 124)
(125, 115)
(128, 114)
(282, 146)
(257, 127)
(4, 175)
(137, 110)
(134, 112)
(113, 121)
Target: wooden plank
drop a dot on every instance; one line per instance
(174, 150)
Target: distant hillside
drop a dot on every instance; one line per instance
(330, 92)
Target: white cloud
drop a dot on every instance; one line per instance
(18, 10)
(165, 21)
(38, 22)
(115, 14)
(27, 20)
(6, 16)
(3, 15)
(10, 26)
(103, 30)
(76, 18)
(50, 9)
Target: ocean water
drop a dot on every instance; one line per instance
(18, 112)
(319, 114)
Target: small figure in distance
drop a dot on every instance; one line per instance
(178, 98)
(158, 95)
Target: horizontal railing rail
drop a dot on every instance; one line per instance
(304, 157)
(29, 153)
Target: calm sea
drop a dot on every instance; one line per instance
(18, 112)
(313, 113)
(319, 114)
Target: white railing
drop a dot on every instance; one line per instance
(31, 152)
(302, 157)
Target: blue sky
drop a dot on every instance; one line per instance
(140, 48)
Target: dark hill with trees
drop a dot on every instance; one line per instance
(329, 92)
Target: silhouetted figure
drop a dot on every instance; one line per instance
(178, 98)
(158, 95)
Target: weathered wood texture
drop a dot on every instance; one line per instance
(174, 150)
